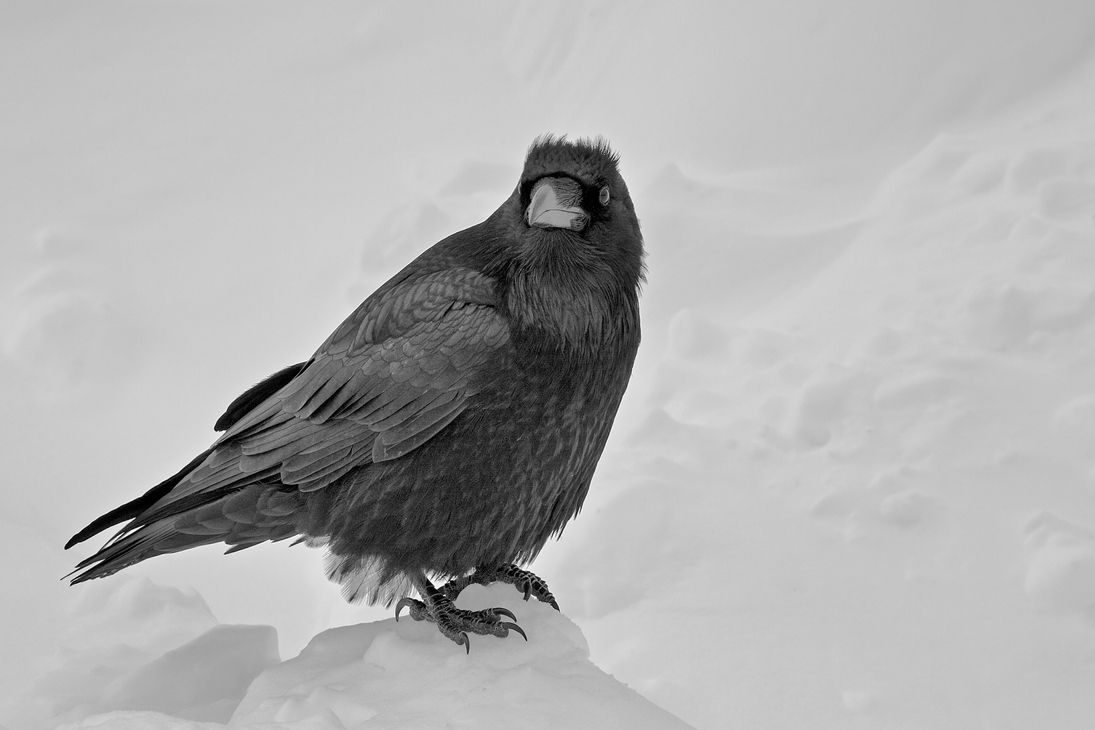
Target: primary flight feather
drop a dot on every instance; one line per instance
(449, 426)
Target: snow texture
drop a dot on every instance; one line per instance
(389, 673)
(853, 481)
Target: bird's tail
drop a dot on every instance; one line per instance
(240, 515)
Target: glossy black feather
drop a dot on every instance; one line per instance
(131, 509)
(238, 408)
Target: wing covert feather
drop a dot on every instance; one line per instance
(390, 377)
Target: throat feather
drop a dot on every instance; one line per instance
(572, 312)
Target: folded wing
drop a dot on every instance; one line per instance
(400, 369)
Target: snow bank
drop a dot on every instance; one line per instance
(385, 674)
(134, 645)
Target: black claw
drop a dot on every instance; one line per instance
(515, 627)
(408, 602)
(555, 605)
(439, 608)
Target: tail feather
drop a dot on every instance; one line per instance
(136, 507)
(250, 523)
(120, 552)
(214, 498)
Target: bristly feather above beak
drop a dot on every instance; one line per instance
(556, 203)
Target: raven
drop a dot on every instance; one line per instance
(449, 426)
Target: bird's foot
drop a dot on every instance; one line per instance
(523, 580)
(455, 623)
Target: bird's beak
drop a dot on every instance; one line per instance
(556, 203)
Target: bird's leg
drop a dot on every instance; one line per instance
(453, 588)
(526, 581)
(455, 622)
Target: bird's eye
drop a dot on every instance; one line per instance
(604, 196)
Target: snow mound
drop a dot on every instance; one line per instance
(390, 674)
(133, 645)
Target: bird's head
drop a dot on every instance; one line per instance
(571, 208)
(573, 243)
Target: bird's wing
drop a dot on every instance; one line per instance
(256, 394)
(391, 377)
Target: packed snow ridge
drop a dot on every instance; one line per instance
(393, 674)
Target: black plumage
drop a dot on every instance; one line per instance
(451, 424)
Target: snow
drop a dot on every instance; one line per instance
(405, 674)
(390, 673)
(852, 483)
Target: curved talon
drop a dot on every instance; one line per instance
(405, 602)
(456, 623)
(514, 627)
(555, 605)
